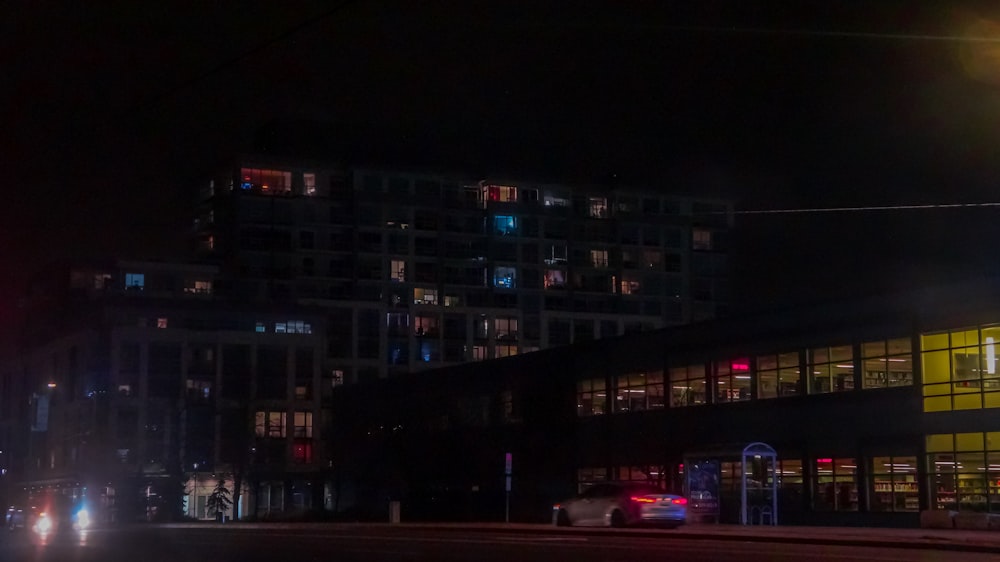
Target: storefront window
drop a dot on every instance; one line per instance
(790, 484)
(835, 484)
(591, 395)
(639, 391)
(894, 484)
(654, 475)
(778, 375)
(587, 477)
(960, 369)
(687, 385)
(831, 369)
(887, 363)
(732, 381)
(964, 469)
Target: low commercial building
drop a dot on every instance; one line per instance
(877, 409)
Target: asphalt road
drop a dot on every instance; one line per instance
(350, 543)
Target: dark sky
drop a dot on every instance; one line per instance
(113, 115)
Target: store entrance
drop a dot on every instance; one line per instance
(754, 501)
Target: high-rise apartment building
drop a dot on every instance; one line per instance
(418, 270)
(138, 388)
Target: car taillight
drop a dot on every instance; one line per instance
(638, 499)
(679, 501)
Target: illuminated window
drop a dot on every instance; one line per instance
(452, 300)
(280, 328)
(260, 328)
(302, 452)
(505, 225)
(637, 392)
(425, 326)
(161, 323)
(309, 184)
(599, 258)
(701, 239)
(269, 424)
(687, 385)
(835, 485)
(630, 286)
(778, 375)
(598, 207)
(430, 350)
(479, 353)
(505, 329)
(831, 369)
(960, 369)
(505, 277)
(894, 484)
(554, 279)
(425, 296)
(591, 397)
(502, 193)
(135, 281)
(964, 471)
(887, 363)
(397, 270)
(198, 287)
(732, 380)
(303, 424)
(553, 199)
(265, 181)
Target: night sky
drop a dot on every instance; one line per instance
(113, 115)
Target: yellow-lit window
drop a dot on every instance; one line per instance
(960, 369)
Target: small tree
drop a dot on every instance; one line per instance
(218, 501)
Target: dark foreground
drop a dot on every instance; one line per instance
(347, 543)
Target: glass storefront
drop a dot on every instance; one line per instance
(964, 471)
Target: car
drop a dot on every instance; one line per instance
(621, 504)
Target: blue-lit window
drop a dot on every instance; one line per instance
(505, 225)
(505, 278)
(429, 351)
(135, 281)
(398, 353)
(260, 328)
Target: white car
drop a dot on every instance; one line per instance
(620, 504)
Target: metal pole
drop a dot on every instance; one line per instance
(506, 508)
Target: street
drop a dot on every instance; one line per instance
(347, 543)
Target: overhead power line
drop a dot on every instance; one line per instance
(860, 209)
(836, 33)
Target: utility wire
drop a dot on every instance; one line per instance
(856, 209)
(233, 61)
(835, 33)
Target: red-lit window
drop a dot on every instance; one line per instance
(732, 380)
(302, 452)
(503, 193)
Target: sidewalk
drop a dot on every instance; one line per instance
(938, 539)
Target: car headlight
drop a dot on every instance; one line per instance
(83, 519)
(43, 525)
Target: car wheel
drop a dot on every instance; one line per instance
(617, 518)
(562, 518)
